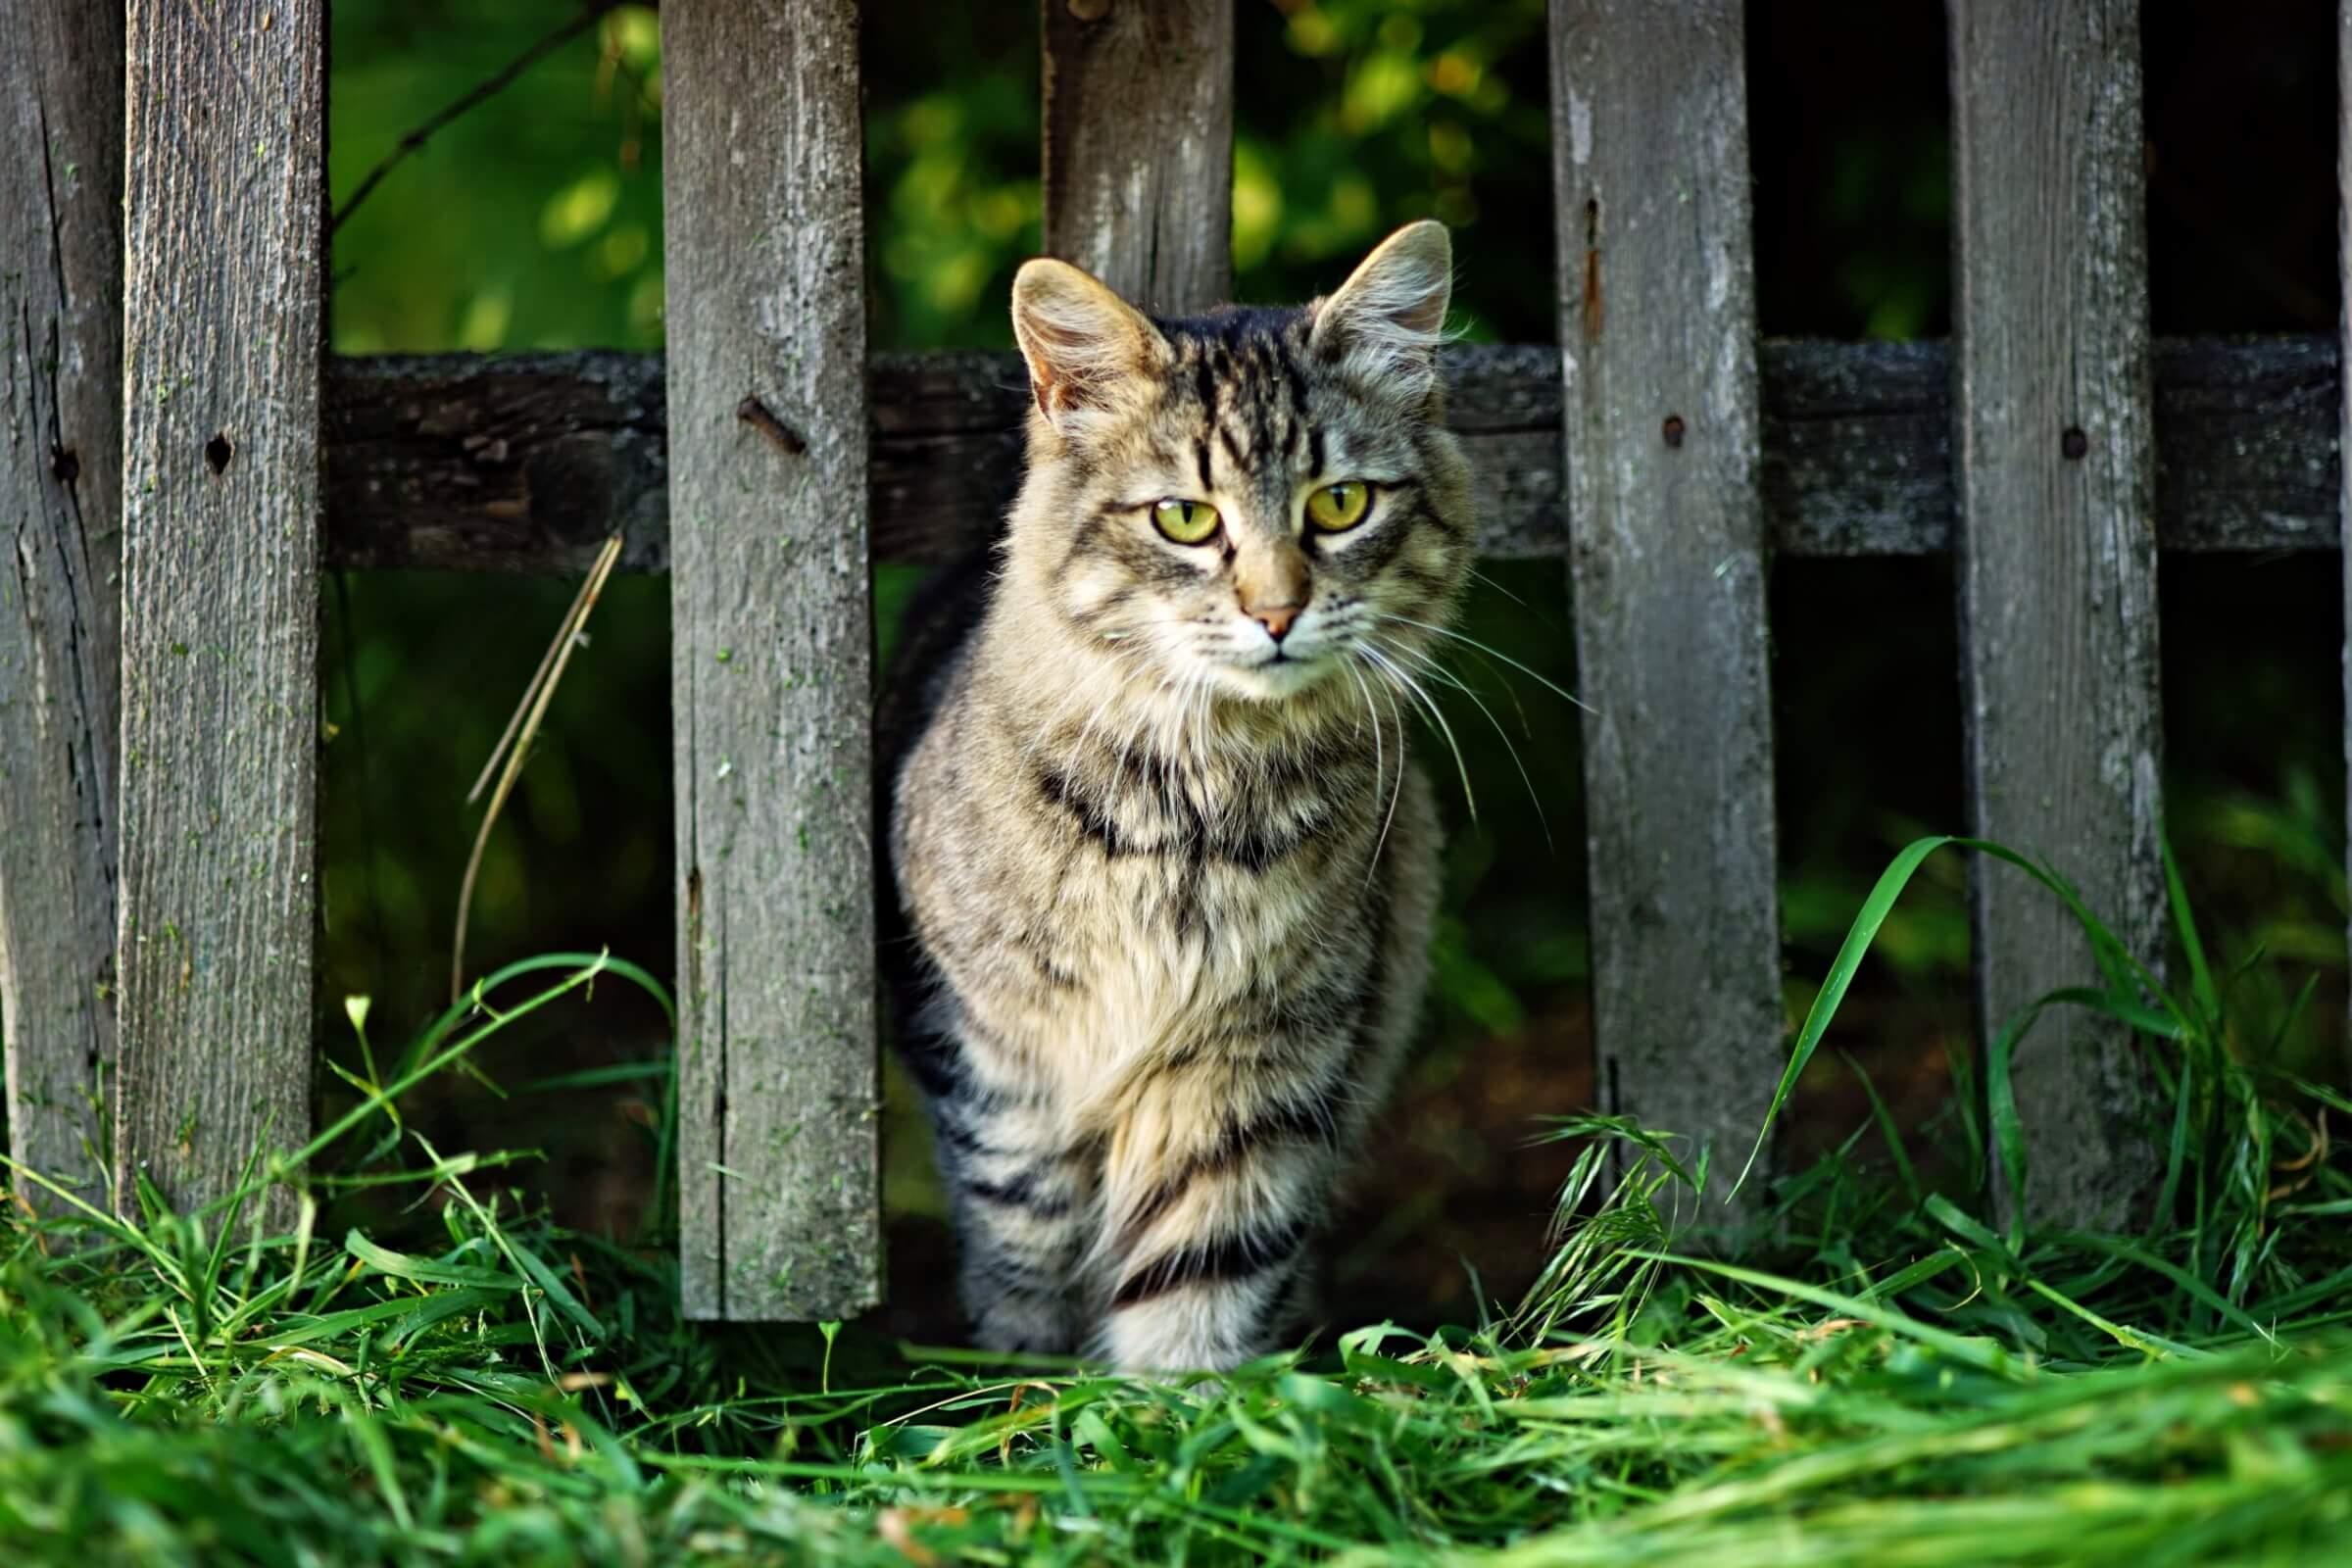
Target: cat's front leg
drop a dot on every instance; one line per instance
(1022, 1194)
(1215, 1181)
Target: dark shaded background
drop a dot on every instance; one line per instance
(535, 222)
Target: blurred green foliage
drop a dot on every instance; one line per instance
(534, 218)
(534, 222)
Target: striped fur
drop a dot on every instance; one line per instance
(1167, 895)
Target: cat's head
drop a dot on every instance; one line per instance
(1251, 502)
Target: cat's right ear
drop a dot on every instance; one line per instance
(1085, 345)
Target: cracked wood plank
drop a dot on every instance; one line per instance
(61, 494)
(1138, 149)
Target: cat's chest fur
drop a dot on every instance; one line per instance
(1110, 906)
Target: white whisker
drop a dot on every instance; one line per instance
(1407, 620)
(1430, 665)
(1497, 587)
(1380, 769)
(1395, 790)
(1406, 683)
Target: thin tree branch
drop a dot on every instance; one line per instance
(490, 87)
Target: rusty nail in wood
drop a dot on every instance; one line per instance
(754, 413)
(1090, 9)
(2074, 443)
(1674, 430)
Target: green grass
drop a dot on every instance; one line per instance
(1902, 1375)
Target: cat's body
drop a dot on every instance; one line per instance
(1166, 870)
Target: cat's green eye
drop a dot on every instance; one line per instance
(1336, 508)
(1188, 522)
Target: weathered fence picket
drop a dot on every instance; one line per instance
(61, 492)
(1138, 153)
(770, 664)
(225, 249)
(1660, 429)
(2057, 555)
(2054, 448)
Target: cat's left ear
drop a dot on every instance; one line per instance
(1385, 321)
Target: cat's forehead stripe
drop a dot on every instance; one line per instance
(1250, 390)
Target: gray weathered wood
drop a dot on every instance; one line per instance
(524, 462)
(772, 646)
(2057, 555)
(1666, 554)
(1139, 146)
(2245, 447)
(224, 248)
(61, 496)
(520, 462)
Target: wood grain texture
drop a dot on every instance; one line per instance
(224, 247)
(1139, 146)
(524, 462)
(1662, 437)
(772, 660)
(2241, 460)
(521, 462)
(61, 499)
(2057, 556)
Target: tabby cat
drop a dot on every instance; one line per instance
(1166, 868)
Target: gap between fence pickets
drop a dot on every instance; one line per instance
(2342, 410)
(528, 462)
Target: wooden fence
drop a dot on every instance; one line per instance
(163, 248)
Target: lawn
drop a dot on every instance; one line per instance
(1895, 1373)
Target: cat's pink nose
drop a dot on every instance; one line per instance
(1276, 618)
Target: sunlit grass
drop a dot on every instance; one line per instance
(1907, 1376)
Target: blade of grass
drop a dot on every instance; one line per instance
(536, 699)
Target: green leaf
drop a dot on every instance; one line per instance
(403, 1266)
(1875, 908)
(2200, 977)
(558, 1293)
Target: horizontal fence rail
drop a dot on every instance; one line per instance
(528, 462)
